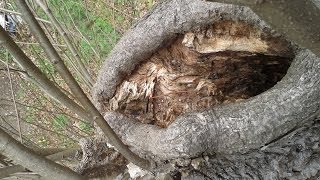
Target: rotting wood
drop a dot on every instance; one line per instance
(223, 63)
(224, 129)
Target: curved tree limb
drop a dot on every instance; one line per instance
(30, 160)
(56, 156)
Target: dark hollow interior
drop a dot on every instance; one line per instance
(243, 75)
(179, 78)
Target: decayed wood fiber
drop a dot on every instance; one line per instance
(236, 127)
(223, 63)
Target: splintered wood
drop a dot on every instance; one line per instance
(224, 63)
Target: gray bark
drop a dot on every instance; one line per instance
(296, 19)
(228, 129)
(296, 156)
(12, 149)
(56, 156)
(317, 3)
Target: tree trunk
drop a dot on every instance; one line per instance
(246, 139)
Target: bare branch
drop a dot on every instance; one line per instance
(57, 156)
(14, 102)
(81, 34)
(119, 11)
(42, 81)
(43, 110)
(28, 43)
(93, 114)
(12, 149)
(11, 130)
(49, 49)
(7, 171)
(12, 70)
(51, 131)
(13, 12)
(62, 32)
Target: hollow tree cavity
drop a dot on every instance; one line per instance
(216, 76)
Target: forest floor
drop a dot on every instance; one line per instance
(8, 113)
(95, 27)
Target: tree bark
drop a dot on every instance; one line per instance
(296, 156)
(227, 129)
(56, 156)
(30, 160)
(296, 19)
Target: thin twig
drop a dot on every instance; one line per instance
(41, 60)
(75, 130)
(88, 111)
(42, 81)
(51, 131)
(19, 14)
(84, 72)
(29, 159)
(12, 70)
(15, 132)
(51, 75)
(43, 110)
(50, 51)
(69, 133)
(28, 43)
(119, 11)
(83, 37)
(14, 101)
(21, 72)
(7, 171)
